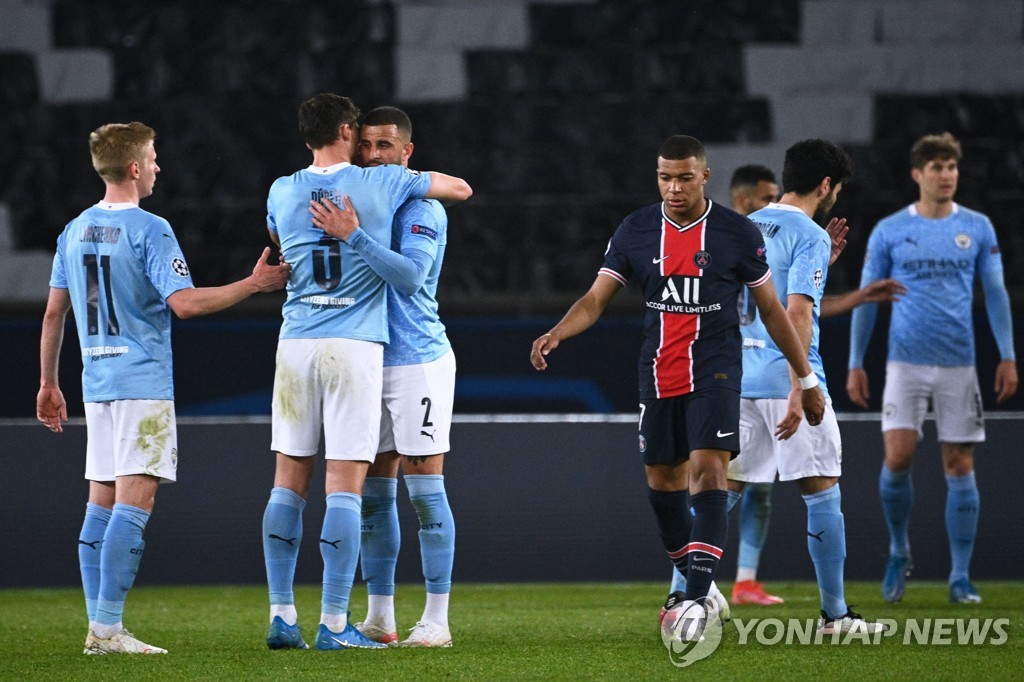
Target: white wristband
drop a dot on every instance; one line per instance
(808, 382)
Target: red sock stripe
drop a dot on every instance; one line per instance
(704, 547)
(697, 547)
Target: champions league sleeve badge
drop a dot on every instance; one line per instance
(180, 267)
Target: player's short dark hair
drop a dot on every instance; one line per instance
(388, 116)
(680, 147)
(321, 116)
(931, 147)
(810, 161)
(750, 175)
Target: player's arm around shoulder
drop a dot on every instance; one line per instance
(581, 316)
(448, 188)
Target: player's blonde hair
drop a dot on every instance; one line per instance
(931, 147)
(115, 145)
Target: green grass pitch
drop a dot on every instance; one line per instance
(510, 631)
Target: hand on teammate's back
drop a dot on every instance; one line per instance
(268, 277)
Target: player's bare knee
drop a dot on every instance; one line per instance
(957, 458)
(423, 465)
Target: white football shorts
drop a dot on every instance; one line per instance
(333, 383)
(811, 451)
(954, 395)
(128, 437)
(416, 417)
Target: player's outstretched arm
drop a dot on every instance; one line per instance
(581, 316)
(779, 327)
(448, 188)
(1000, 319)
(51, 409)
(197, 301)
(879, 291)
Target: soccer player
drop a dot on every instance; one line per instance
(751, 188)
(330, 361)
(937, 247)
(772, 439)
(691, 257)
(419, 390)
(121, 270)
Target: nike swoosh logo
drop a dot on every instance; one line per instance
(702, 558)
(723, 435)
(658, 260)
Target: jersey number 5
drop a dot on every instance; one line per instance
(92, 294)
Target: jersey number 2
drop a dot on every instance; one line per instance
(92, 294)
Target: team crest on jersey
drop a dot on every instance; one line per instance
(180, 267)
(702, 259)
(643, 444)
(963, 241)
(423, 230)
(819, 277)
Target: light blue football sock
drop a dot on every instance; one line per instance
(282, 535)
(119, 560)
(826, 542)
(339, 547)
(381, 536)
(897, 492)
(437, 530)
(90, 545)
(962, 504)
(755, 511)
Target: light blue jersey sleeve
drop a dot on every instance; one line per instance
(420, 233)
(997, 300)
(877, 265)
(406, 272)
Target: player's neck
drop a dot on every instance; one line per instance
(808, 203)
(330, 155)
(933, 210)
(123, 193)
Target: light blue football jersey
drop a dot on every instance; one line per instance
(417, 334)
(332, 292)
(937, 261)
(798, 251)
(119, 264)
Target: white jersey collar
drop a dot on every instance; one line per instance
(120, 206)
(913, 211)
(321, 170)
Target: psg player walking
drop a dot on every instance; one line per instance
(691, 257)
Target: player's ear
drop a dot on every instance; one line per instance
(407, 150)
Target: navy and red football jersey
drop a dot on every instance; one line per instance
(691, 276)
